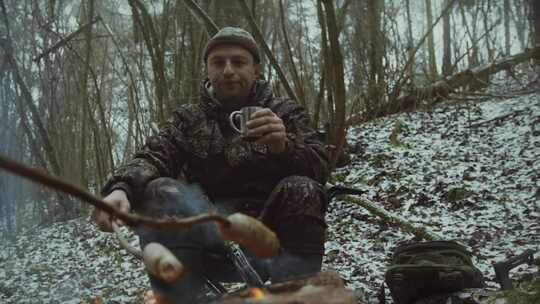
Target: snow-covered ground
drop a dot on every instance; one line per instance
(469, 172)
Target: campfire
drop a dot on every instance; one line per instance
(256, 293)
(325, 287)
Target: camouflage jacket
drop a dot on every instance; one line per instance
(199, 144)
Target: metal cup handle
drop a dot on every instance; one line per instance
(231, 120)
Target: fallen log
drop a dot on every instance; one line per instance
(441, 89)
(393, 219)
(350, 195)
(251, 233)
(464, 78)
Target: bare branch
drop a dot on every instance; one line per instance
(395, 220)
(80, 193)
(288, 51)
(444, 87)
(66, 39)
(402, 78)
(136, 252)
(209, 24)
(7, 45)
(259, 37)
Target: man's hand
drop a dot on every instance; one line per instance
(117, 199)
(269, 129)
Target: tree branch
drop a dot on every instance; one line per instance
(7, 45)
(402, 78)
(80, 193)
(442, 88)
(237, 227)
(136, 252)
(392, 219)
(209, 24)
(66, 39)
(259, 37)
(288, 51)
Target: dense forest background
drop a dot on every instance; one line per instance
(82, 83)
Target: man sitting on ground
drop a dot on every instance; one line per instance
(198, 163)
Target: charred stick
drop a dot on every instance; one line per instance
(239, 228)
(125, 244)
(82, 194)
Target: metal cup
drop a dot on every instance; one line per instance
(243, 116)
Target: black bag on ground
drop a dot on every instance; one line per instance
(426, 268)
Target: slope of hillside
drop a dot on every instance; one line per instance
(470, 172)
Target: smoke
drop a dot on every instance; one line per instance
(13, 190)
(7, 138)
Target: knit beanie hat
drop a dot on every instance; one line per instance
(233, 35)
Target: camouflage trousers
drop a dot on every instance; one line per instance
(294, 210)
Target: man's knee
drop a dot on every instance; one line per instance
(301, 185)
(170, 196)
(167, 197)
(303, 190)
(163, 185)
(296, 196)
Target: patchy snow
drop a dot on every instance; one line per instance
(67, 263)
(469, 172)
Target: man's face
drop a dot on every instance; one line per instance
(232, 72)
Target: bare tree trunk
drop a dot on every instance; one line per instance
(447, 43)
(439, 90)
(507, 10)
(29, 103)
(336, 66)
(156, 49)
(328, 76)
(376, 80)
(288, 51)
(131, 118)
(319, 99)
(258, 35)
(410, 44)
(519, 18)
(432, 62)
(486, 11)
(535, 35)
(535, 12)
(197, 38)
(401, 78)
(473, 56)
(84, 91)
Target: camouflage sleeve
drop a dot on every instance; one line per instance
(304, 154)
(161, 156)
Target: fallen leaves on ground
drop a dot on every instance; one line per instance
(468, 171)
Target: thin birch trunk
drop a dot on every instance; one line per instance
(432, 61)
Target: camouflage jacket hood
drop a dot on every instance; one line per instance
(198, 144)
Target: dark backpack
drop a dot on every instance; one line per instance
(423, 269)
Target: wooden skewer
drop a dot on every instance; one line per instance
(130, 219)
(239, 228)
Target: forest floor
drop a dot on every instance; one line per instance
(470, 171)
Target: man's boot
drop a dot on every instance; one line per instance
(200, 248)
(302, 243)
(169, 197)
